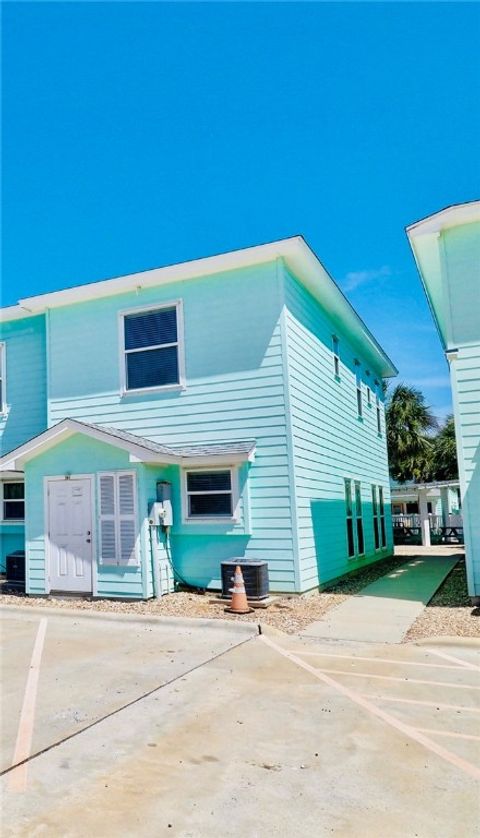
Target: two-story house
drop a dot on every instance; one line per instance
(241, 391)
(446, 247)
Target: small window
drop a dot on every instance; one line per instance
(376, 531)
(379, 417)
(369, 397)
(336, 357)
(359, 395)
(349, 518)
(13, 501)
(209, 494)
(383, 532)
(151, 348)
(359, 518)
(3, 377)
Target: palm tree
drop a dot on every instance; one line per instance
(409, 422)
(444, 454)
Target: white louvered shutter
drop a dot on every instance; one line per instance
(108, 551)
(127, 529)
(118, 528)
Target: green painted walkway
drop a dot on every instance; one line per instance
(384, 611)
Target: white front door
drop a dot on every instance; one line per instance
(70, 535)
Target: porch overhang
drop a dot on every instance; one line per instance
(140, 449)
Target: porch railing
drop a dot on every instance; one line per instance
(407, 529)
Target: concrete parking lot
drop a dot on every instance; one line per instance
(248, 736)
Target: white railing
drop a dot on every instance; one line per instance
(436, 521)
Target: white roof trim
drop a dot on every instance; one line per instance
(9, 313)
(16, 459)
(449, 217)
(297, 254)
(233, 260)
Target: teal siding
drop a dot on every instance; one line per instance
(259, 366)
(12, 537)
(330, 443)
(77, 455)
(26, 414)
(460, 251)
(465, 373)
(234, 390)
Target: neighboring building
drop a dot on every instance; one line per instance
(431, 510)
(446, 247)
(242, 386)
(441, 498)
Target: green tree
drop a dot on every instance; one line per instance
(444, 454)
(409, 425)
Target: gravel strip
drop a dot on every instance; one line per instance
(449, 612)
(288, 613)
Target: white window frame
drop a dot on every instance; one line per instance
(12, 500)
(3, 377)
(357, 493)
(350, 517)
(336, 357)
(212, 519)
(375, 518)
(116, 517)
(379, 415)
(381, 518)
(359, 394)
(179, 343)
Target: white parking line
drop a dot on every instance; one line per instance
(381, 660)
(438, 704)
(459, 661)
(451, 733)
(17, 781)
(357, 698)
(404, 680)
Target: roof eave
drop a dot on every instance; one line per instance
(16, 459)
(294, 250)
(450, 216)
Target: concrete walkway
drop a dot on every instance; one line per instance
(384, 611)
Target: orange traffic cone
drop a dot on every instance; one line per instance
(239, 604)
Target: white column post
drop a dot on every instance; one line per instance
(424, 520)
(444, 493)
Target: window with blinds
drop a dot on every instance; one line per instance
(118, 524)
(209, 494)
(151, 344)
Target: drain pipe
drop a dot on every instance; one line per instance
(153, 556)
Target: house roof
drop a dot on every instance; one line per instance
(139, 448)
(423, 237)
(296, 253)
(410, 485)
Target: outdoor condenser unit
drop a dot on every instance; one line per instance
(15, 570)
(255, 576)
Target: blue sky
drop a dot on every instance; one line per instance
(141, 134)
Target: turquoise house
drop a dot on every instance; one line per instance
(156, 424)
(446, 247)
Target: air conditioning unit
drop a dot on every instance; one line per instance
(15, 570)
(255, 576)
